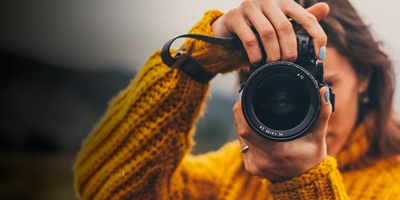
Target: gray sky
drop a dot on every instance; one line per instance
(95, 34)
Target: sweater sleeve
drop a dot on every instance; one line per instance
(322, 182)
(142, 137)
(138, 145)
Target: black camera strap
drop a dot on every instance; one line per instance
(187, 64)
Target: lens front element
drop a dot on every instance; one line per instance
(281, 101)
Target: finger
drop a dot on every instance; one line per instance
(309, 22)
(284, 31)
(219, 28)
(242, 29)
(247, 134)
(326, 110)
(258, 147)
(243, 130)
(266, 32)
(242, 133)
(319, 10)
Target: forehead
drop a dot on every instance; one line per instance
(336, 64)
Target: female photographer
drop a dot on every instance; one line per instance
(140, 149)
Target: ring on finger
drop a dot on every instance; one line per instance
(246, 148)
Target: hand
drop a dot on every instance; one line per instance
(278, 161)
(270, 20)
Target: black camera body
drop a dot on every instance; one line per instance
(281, 100)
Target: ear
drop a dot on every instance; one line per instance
(363, 82)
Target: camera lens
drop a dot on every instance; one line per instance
(281, 101)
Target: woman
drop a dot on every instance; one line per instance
(140, 148)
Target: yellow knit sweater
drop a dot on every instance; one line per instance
(140, 149)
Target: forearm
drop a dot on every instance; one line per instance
(143, 136)
(146, 131)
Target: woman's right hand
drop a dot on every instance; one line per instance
(270, 19)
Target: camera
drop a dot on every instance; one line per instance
(281, 100)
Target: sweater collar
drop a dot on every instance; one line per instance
(354, 150)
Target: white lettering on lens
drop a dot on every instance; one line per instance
(271, 132)
(300, 76)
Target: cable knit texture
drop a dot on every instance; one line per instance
(140, 148)
(214, 58)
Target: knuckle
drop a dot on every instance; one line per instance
(244, 133)
(291, 55)
(268, 33)
(247, 3)
(273, 58)
(250, 41)
(233, 13)
(285, 27)
(310, 18)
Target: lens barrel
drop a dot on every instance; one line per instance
(281, 101)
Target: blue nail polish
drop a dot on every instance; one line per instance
(327, 95)
(239, 96)
(322, 53)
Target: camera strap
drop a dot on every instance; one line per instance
(187, 64)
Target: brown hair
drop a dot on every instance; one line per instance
(348, 34)
(353, 39)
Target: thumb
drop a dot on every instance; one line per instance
(319, 10)
(325, 113)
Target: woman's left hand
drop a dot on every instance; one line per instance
(278, 161)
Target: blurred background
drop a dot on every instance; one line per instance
(62, 61)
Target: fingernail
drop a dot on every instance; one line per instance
(327, 95)
(322, 53)
(239, 96)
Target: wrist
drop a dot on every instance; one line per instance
(324, 177)
(323, 169)
(295, 169)
(213, 58)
